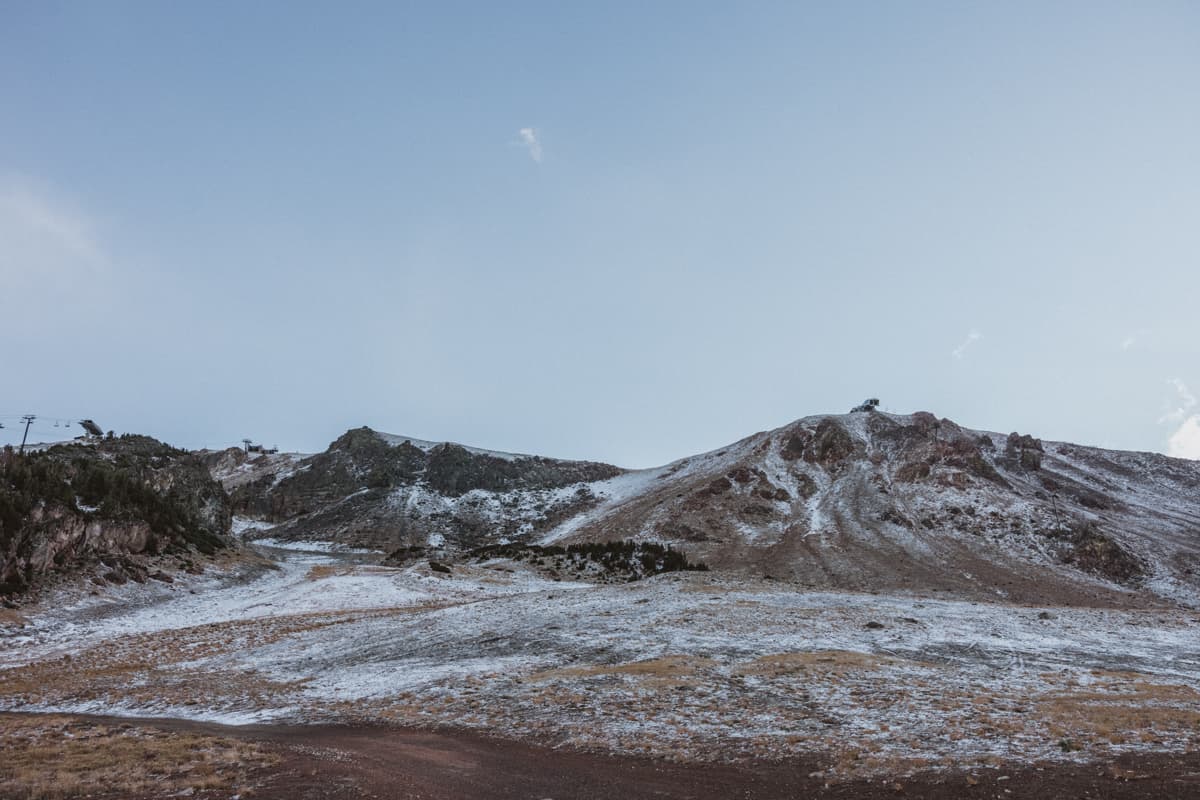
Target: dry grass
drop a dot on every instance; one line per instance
(52, 757)
(667, 666)
(148, 668)
(322, 571)
(1145, 714)
(9, 617)
(821, 660)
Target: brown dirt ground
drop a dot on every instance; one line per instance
(344, 762)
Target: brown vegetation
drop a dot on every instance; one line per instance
(52, 757)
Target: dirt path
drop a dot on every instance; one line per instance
(345, 762)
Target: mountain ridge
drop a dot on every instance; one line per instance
(868, 501)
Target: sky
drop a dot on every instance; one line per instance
(626, 232)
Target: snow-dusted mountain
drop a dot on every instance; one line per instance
(881, 502)
(381, 491)
(864, 501)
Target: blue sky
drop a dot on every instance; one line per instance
(626, 232)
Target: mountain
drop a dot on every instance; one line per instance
(879, 502)
(383, 491)
(866, 501)
(122, 508)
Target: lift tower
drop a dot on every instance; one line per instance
(28, 420)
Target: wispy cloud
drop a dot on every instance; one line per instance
(1129, 341)
(44, 238)
(1184, 441)
(529, 138)
(1183, 402)
(972, 337)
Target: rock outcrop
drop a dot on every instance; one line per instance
(113, 505)
(387, 492)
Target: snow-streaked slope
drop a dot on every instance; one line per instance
(862, 501)
(383, 491)
(871, 501)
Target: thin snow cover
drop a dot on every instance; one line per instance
(612, 493)
(687, 666)
(300, 582)
(631, 485)
(84, 507)
(242, 525)
(245, 525)
(234, 468)
(515, 512)
(311, 547)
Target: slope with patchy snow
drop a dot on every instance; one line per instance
(383, 491)
(862, 502)
(879, 502)
(695, 666)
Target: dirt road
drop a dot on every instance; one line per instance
(344, 762)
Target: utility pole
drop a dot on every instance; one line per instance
(28, 420)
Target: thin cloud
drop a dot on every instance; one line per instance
(43, 237)
(1185, 441)
(531, 142)
(972, 337)
(1184, 402)
(1129, 341)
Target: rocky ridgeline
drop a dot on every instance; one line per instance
(121, 509)
(865, 501)
(367, 491)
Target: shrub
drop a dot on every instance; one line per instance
(621, 556)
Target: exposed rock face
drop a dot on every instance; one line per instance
(373, 490)
(74, 506)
